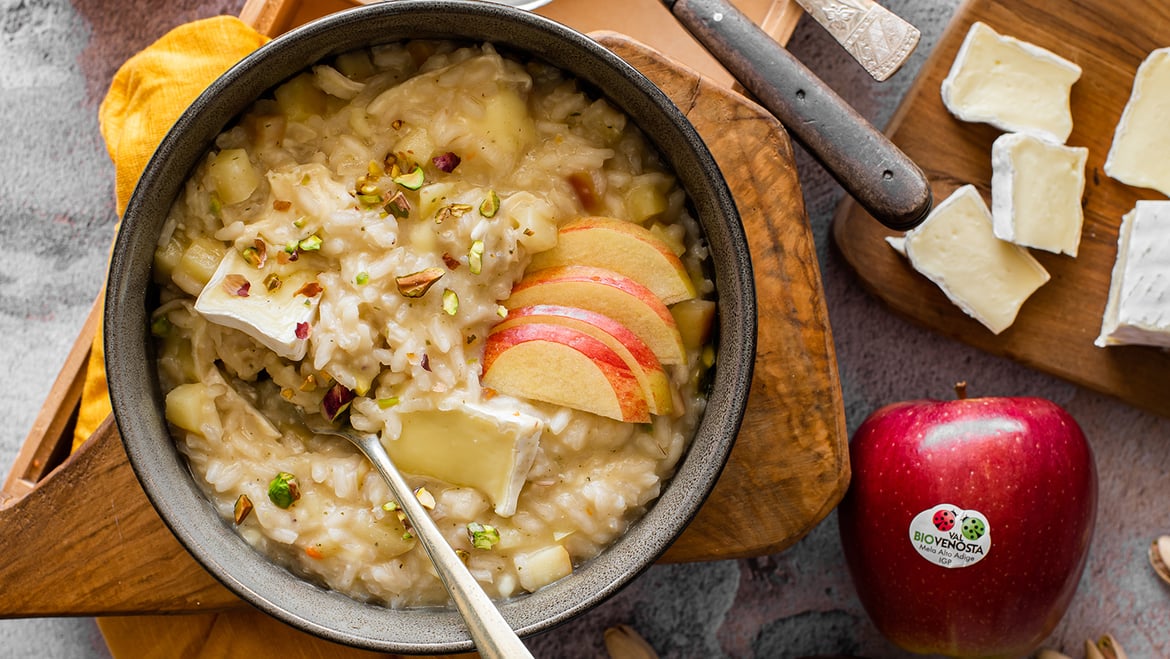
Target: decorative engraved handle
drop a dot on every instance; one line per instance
(876, 37)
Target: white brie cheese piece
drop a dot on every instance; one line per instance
(270, 317)
(484, 446)
(1141, 141)
(1036, 189)
(986, 277)
(1138, 310)
(1011, 84)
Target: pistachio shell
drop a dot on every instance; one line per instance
(1110, 648)
(622, 642)
(1160, 557)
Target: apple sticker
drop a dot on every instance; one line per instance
(935, 538)
(944, 520)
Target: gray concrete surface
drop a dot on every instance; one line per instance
(57, 217)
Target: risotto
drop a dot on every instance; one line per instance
(466, 254)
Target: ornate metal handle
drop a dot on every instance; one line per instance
(876, 37)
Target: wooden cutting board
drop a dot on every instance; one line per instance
(1057, 325)
(84, 540)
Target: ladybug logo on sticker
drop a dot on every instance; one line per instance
(951, 537)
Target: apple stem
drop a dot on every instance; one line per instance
(961, 390)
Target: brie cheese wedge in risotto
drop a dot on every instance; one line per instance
(466, 254)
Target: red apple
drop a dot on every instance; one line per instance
(624, 247)
(641, 360)
(608, 293)
(967, 522)
(563, 366)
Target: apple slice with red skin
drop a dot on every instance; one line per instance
(610, 294)
(641, 360)
(1021, 463)
(624, 247)
(563, 366)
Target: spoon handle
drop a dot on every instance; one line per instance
(493, 636)
(870, 167)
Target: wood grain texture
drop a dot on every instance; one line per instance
(113, 555)
(1057, 325)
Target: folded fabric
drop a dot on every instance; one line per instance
(146, 97)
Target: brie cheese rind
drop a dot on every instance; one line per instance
(1011, 84)
(269, 316)
(1138, 310)
(988, 278)
(1036, 190)
(486, 446)
(1142, 137)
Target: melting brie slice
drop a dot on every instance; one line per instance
(1036, 189)
(1011, 84)
(1141, 141)
(482, 446)
(269, 316)
(1138, 310)
(986, 277)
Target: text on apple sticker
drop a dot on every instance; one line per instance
(949, 536)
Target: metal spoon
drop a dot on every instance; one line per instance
(493, 636)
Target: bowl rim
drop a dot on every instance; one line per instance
(136, 395)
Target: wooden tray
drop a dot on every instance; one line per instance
(84, 540)
(1057, 325)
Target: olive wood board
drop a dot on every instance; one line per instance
(1056, 327)
(84, 540)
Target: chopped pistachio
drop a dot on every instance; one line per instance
(310, 244)
(310, 289)
(160, 326)
(386, 403)
(309, 383)
(483, 536)
(413, 180)
(281, 205)
(397, 205)
(416, 284)
(291, 246)
(450, 261)
(336, 401)
(370, 199)
(362, 278)
(463, 555)
(501, 311)
(236, 284)
(374, 169)
(450, 302)
(390, 506)
(300, 222)
(303, 330)
(215, 205)
(451, 211)
(475, 257)
(283, 490)
(490, 205)
(243, 508)
(446, 162)
(368, 189)
(425, 497)
(257, 254)
(272, 282)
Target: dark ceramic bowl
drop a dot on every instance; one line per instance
(138, 401)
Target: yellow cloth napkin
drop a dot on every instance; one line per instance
(147, 95)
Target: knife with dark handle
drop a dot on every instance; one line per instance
(890, 186)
